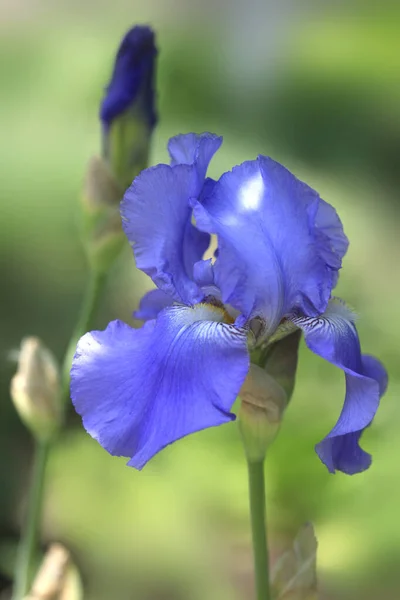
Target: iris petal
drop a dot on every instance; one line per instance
(157, 216)
(151, 304)
(279, 245)
(139, 390)
(331, 240)
(334, 337)
(156, 219)
(192, 148)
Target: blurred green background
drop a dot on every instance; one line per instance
(319, 90)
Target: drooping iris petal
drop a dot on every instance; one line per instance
(333, 336)
(139, 390)
(193, 148)
(132, 80)
(156, 218)
(279, 247)
(151, 304)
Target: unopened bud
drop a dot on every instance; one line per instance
(35, 389)
(263, 401)
(128, 110)
(266, 393)
(280, 360)
(103, 236)
(57, 578)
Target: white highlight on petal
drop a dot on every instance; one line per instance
(251, 192)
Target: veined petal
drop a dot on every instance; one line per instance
(333, 336)
(279, 246)
(139, 390)
(156, 218)
(151, 304)
(193, 148)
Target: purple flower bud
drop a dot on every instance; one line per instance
(128, 111)
(132, 81)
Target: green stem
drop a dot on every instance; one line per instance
(90, 303)
(259, 528)
(28, 544)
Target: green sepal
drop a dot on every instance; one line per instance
(102, 231)
(266, 392)
(263, 401)
(280, 359)
(127, 146)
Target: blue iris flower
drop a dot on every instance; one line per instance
(280, 247)
(132, 81)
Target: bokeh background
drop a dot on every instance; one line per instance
(316, 86)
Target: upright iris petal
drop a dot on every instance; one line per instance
(156, 220)
(157, 216)
(132, 80)
(273, 254)
(139, 390)
(192, 148)
(334, 337)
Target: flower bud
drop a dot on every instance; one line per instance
(128, 108)
(35, 389)
(57, 578)
(266, 393)
(280, 361)
(103, 236)
(263, 401)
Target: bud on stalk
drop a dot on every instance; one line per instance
(263, 401)
(102, 232)
(265, 394)
(57, 578)
(127, 115)
(35, 389)
(127, 111)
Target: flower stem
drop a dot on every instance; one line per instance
(259, 528)
(90, 303)
(28, 544)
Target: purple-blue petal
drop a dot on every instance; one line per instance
(195, 243)
(156, 218)
(193, 148)
(151, 304)
(132, 80)
(334, 337)
(203, 272)
(279, 245)
(139, 390)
